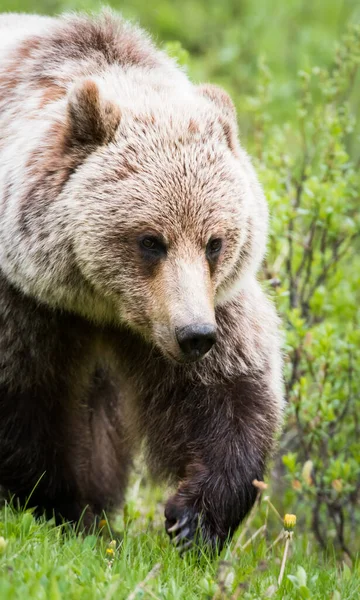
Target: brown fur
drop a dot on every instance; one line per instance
(107, 143)
(52, 93)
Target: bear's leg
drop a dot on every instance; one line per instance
(104, 455)
(62, 442)
(34, 466)
(211, 425)
(225, 452)
(67, 459)
(215, 440)
(70, 462)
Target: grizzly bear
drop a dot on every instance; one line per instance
(132, 226)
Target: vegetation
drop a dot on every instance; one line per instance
(39, 561)
(314, 196)
(297, 116)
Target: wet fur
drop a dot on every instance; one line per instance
(83, 378)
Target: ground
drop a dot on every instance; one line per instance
(40, 561)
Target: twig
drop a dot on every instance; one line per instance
(140, 586)
(112, 589)
(308, 242)
(261, 486)
(146, 589)
(221, 575)
(248, 522)
(278, 539)
(316, 520)
(254, 535)
(267, 499)
(288, 537)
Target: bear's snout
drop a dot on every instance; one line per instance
(196, 340)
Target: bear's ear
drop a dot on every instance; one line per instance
(93, 119)
(220, 98)
(227, 112)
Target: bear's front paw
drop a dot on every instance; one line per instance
(181, 524)
(187, 527)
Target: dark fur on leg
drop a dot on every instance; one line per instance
(212, 431)
(217, 491)
(62, 439)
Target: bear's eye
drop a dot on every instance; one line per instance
(213, 248)
(152, 246)
(149, 243)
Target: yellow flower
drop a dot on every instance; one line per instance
(3, 544)
(110, 550)
(289, 522)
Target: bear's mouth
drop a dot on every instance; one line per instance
(183, 360)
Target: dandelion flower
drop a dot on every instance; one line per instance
(289, 522)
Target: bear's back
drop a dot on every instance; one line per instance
(60, 50)
(42, 58)
(16, 27)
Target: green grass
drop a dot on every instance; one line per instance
(39, 561)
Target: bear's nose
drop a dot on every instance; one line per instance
(196, 340)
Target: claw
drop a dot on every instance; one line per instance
(180, 536)
(174, 527)
(178, 525)
(185, 547)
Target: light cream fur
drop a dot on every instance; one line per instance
(173, 166)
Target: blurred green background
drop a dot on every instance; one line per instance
(226, 39)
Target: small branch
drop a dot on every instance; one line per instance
(146, 589)
(294, 371)
(223, 571)
(335, 425)
(248, 522)
(278, 539)
(140, 586)
(309, 266)
(288, 539)
(309, 242)
(261, 486)
(253, 537)
(316, 522)
(272, 507)
(337, 515)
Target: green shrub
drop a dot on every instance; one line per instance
(313, 268)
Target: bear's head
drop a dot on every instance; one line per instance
(169, 217)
